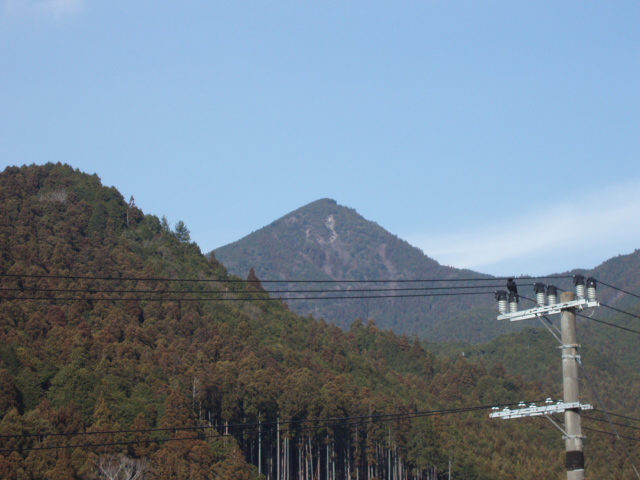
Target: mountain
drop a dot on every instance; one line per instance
(326, 241)
(330, 242)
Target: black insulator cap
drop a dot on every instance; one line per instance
(513, 297)
(501, 295)
(591, 282)
(552, 290)
(578, 280)
(538, 287)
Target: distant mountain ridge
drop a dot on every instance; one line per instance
(327, 241)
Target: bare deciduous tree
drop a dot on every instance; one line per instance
(120, 467)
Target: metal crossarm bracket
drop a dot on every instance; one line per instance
(534, 411)
(581, 304)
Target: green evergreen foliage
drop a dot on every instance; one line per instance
(182, 233)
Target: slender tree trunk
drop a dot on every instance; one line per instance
(310, 453)
(348, 459)
(334, 461)
(260, 448)
(333, 464)
(327, 461)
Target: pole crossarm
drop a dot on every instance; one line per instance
(581, 304)
(534, 410)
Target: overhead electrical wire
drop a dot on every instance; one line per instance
(336, 422)
(332, 420)
(344, 294)
(618, 310)
(599, 431)
(597, 320)
(618, 415)
(635, 439)
(619, 289)
(89, 294)
(611, 308)
(607, 421)
(353, 290)
(608, 324)
(221, 299)
(200, 280)
(595, 392)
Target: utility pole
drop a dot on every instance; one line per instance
(573, 438)
(570, 405)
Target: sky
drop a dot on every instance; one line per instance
(499, 136)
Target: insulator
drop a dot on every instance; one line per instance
(501, 296)
(539, 289)
(591, 289)
(578, 281)
(513, 302)
(552, 294)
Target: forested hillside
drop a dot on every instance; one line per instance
(121, 344)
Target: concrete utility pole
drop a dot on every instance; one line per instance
(573, 439)
(570, 405)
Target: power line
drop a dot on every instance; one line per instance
(159, 292)
(614, 423)
(602, 421)
(608, 324)
(618, 310)
(200, 280)
(619, 289)
(612, 434)
(259, 432)
(601, 321)
(618, 415)
(220, 299)
(593, 388)
(334, 421)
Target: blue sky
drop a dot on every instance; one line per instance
(498, 136)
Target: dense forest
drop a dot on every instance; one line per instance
(123, 347)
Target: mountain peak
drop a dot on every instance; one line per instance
(327, 241)
(328, 201)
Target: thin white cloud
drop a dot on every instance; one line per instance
(42, 8)
(61, 7)
(557, 238)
